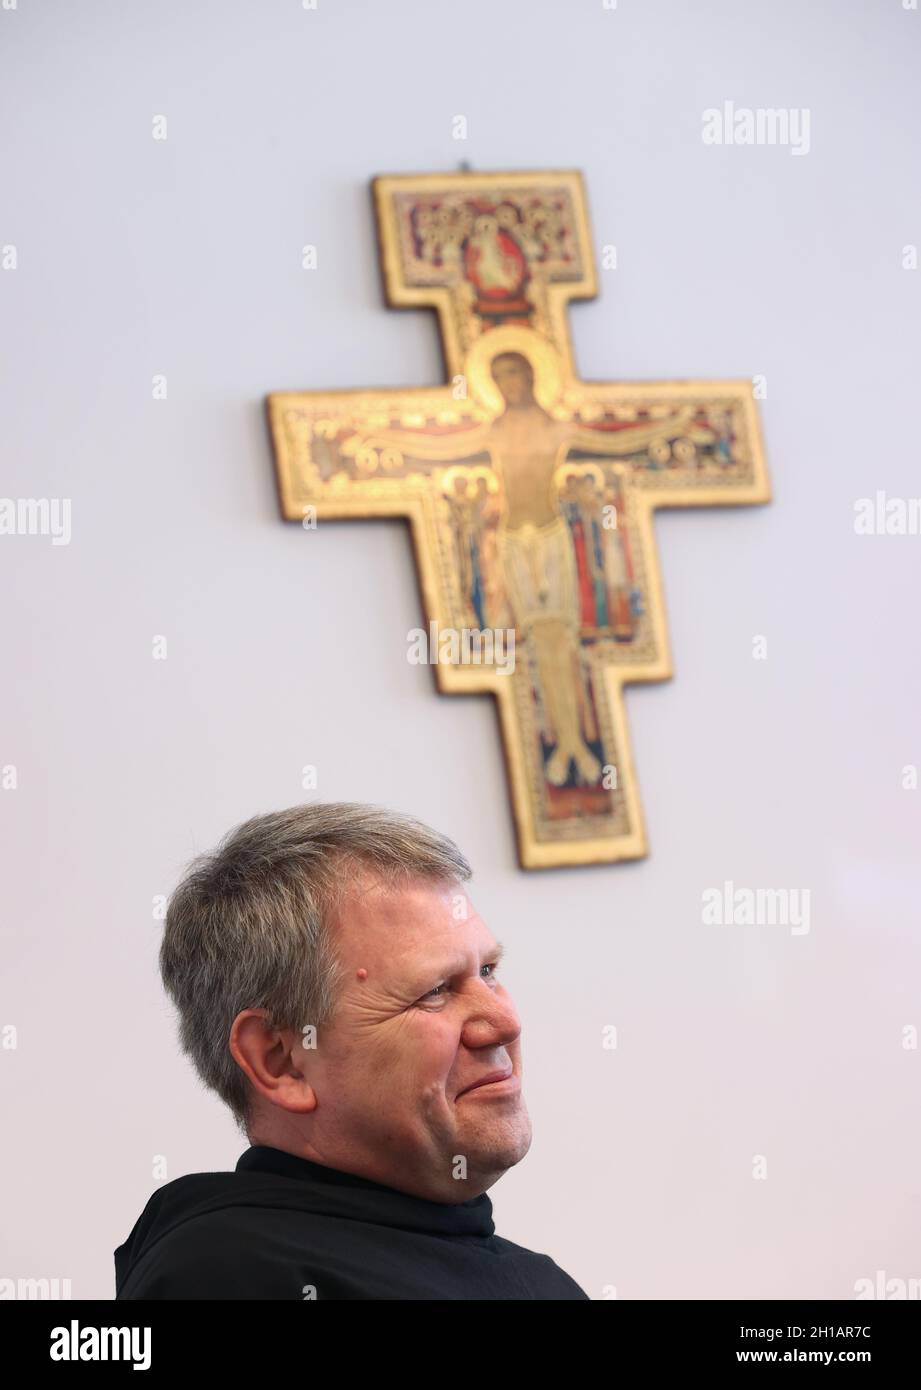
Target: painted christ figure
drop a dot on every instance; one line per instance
(526, 445)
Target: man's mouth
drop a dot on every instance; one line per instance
(491, 1078)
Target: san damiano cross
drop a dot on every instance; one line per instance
(529, 492)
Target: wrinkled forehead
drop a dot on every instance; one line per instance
(393, 924)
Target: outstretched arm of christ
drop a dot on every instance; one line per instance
(451, 447)
(631, 438)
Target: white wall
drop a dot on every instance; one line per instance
(182, 257)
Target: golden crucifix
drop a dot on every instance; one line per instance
(529, 493)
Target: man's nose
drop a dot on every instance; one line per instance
(493, 1019)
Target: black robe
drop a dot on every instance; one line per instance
(280, 1226)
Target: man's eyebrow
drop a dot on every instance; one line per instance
(455, 966)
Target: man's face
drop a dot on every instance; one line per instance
(513, 378)
(422, 1015)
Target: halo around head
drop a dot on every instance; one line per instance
(471, 476)
(511, 337)
(579, 469)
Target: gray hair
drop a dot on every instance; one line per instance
(249, 925)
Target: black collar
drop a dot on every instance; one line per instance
(346, 1194)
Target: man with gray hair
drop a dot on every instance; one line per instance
(337, 989)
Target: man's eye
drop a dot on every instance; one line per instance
(436, 992)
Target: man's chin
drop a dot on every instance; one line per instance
(502, 1147)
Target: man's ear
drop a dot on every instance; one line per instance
(273, 1061)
